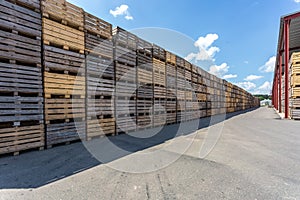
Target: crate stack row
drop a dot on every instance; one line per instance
(125, 55)
(66, 75)
(171, 87)
(100, 75)
(145, 84)
(64, 71)
(295, 86)
(21, 100)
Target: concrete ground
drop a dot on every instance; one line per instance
(257, 156)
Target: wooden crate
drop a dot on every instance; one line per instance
(144, 121)
(171, 87)
(159, 72)
(63, 84)
(16, 139)
(100, 106)
(295, 113)
(18, 108)
(145, 76)
(60, 60)
(144, 47)
(56, 34)
(64, 109)
(295, 69)
(63, 12)
(295, 80)
(295, 58)
(125, 73)
(159, 52)
(100, 76)
(188, 66)
(171, 117)
(96, 26)
(160, 92)
(65, 132)
(126, 124)
(99, 46)
(180, 62)
(124, 38)
(125, 105)
(295, 92)
(170, 70)
(100, 127)
(180, 72)
(170, 58)
(125, 55)
(144, 105)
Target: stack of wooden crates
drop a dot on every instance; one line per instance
(295, 86)
(100, 75)
(64, 72)
(21, 100)
(125, 45)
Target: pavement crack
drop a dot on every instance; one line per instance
(147, 191)
(160, 186)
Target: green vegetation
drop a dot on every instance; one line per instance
(263, 96)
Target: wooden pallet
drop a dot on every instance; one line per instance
(295, 92)
(96, 26)
(159, 72)
(56, 34)
(98, 46)
(159, 52)
(124, 38)
(63, 12)
(170, 58)
(63, 84)
(295, 70)
(180, 72)
(125, 55)
(100, 86)
(170, 70)
(65, 132)
(125, 90)
(100, 127)
(180, 62)
(171, 117)
(64, 109)
(56, 59)
(16, 109)
(295, 113)
(20, 138)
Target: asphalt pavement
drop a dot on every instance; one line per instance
(255, 155)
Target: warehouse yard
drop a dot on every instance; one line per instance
(255, 158)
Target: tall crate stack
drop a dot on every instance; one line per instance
(181, 85)
(100, 75)
(21, 101)
(201, 93)
(295, 86)
(64, 75)
(125, 45)
(145, 84)
(171, 87)
(160, 92)
(189, 91)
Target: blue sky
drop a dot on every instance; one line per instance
(234, 39)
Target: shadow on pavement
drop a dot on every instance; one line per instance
(37, 168)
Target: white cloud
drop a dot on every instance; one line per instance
(206, 50)
(219, 70)
(229, 76)
(269, 65)
(121, 10)
(246, 62)
(252, 77)
(265, 88)
(247, 85)
(297, 1)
